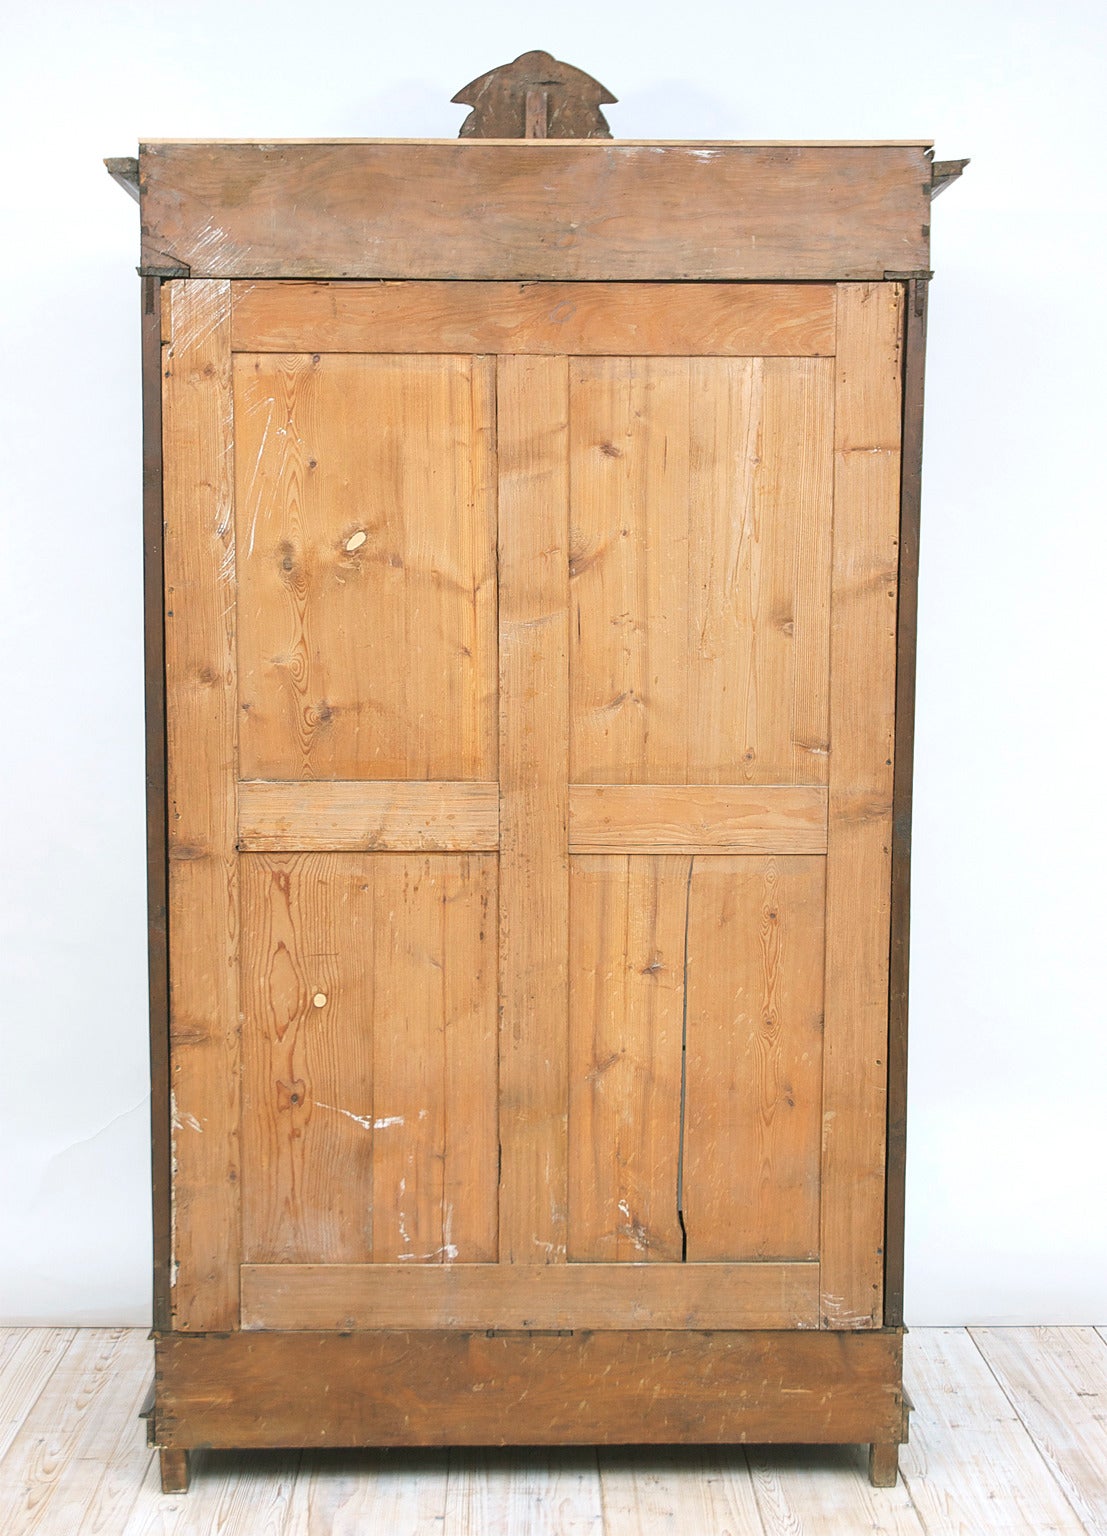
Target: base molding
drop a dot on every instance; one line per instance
(443, 1387)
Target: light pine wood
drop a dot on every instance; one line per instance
(28, 1358)
(1056, 1378)
(533, 409)
(752, 1131)
(201, 733)
(541, 1494)
(369, 1002)
(366, 567)
(700, 577)
(65, 1468)
(825, 1491)
(626, 1000)
(577, 1295)
(862, 727)
(971, 1465)
(396, 815)
(229, 1495)
(696, 818)
(677, 1490)
(483, 209)
(562, 319)
(348, 1493)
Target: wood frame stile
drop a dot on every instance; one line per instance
(440, 1386)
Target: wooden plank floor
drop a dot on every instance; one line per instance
(1009, 1435)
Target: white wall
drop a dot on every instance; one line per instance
(1009, 1050)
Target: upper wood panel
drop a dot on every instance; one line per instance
(567, 210)
(366, 590)
(700, 531)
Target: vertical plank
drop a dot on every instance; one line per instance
(434, 1176)
(862, 728)
(202, 743)
(534, 807)
(308, 1065)
(157, 873)
(755, 1006)
(367, 547)
(914, 350)
(628, 563)
(626, 1001)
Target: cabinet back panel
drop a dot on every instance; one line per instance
(531, 875)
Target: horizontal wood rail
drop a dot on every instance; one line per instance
(391, 815)
(536, 209)
(560, 319)
(447, 816)
(329, 1296)
(428, 1387)
(697, 818)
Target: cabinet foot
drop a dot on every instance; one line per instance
(883, 1463)
(174, 1471)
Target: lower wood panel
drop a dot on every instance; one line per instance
(604, 1388)
(626, 1296)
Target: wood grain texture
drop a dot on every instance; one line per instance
(498, 1493)
(396, 815)
(825, 1491)
(562, 319)
(862, 732)
(157, 810)
(752, 1135)
(29, 1358)
(970, 1464)
(1056, 1378)
(62, 1468)
(370, 1069)
(426, 1387)
(534, 861)
(201, 734)
(366, 530)
(343, 1493)
(696, 818)
(422, 210)
(680, 1490)
(910, 507)
(626, 1003)
(561, 1296)
(701, 502)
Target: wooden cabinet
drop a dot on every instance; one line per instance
(534, 787)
